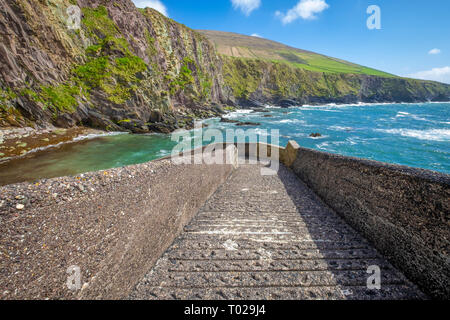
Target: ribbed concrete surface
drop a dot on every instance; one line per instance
(269, 237)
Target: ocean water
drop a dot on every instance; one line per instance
(416, 135)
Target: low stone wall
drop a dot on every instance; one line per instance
(112, 224)
(404, 212)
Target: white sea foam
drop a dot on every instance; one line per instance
(420, 118)
(323, 146)
(330, 146)
(367, 104)
(285, 121)
(238, 113)
(164, 153)
(245, 111)
(409, 115)
(321, 108)
(353, 141)
(430, 134)
(337, 106)
(339, 128)
(97, 135)
(272, 107)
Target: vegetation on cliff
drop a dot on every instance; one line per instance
(114, 69)
(278, 80)
(267, 71)
(271, 82)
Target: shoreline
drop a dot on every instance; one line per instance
(15, 140)
(16, 143)
(356, 104)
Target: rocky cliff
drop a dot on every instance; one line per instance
(261, 70)
(125, 68)
(255, 81)
(133, 69)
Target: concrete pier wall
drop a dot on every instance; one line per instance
(115, 224)
(112, 224)
(403, 211)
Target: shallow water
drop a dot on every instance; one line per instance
(416, 135)
(88, 155)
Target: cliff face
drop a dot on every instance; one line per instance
(133, 69)
(125, 68)
(253, 80)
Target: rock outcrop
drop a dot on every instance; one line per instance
(120, 67)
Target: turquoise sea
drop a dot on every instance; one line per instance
(416, 135)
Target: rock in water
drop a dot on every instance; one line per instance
(244, 124)
(226, 120)
(261, 110)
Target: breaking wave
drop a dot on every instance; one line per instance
(431, 134)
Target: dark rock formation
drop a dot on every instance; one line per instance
(226, 120)
(246, 123)
(123, 68)
(251, 103)
(260, 110)
(287, 103)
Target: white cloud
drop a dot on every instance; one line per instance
(246, 6)
(305, 9)
(434, 51)
(256, 35)
(155, 4)
(436, 74)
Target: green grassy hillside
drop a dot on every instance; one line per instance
(237, 45)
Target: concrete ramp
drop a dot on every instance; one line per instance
(270, 237)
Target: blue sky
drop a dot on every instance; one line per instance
(414, 39)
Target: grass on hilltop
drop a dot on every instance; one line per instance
(241, 46)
